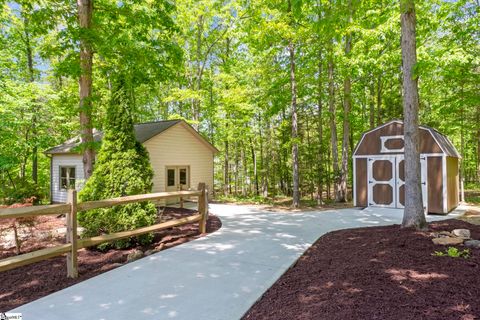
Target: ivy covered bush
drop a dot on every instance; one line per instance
(122, 168)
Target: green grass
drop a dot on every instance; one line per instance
(278, 201)
(244, 200)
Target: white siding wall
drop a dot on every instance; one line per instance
(179, 147)
(68, 160)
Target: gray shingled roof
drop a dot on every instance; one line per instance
(445, 144)
(143, 132)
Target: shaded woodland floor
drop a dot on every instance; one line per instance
(377, 273)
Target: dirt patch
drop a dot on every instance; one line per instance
(28, 283)
(377, 273)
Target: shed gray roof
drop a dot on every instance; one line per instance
(445, 144)
(143, 132)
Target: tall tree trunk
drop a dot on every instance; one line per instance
(236, 171)
(226, 173)
(414, 215)
(266, 162)
(341, 196)
(320, 165)
(379, 98)
(254, 162)
(31, 79)
(197, 82)
(333, 125)
(293, 86)
(478, 143)
(372, 106)
(85, 12)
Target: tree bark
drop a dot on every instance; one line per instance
(341, 196)
(226, 173)
(333, 126)
(31, 79)
(478, 144)
(414, 215)
(293, 86)
(85, 12)
(379, 98)
(372, 106)
(320, 172)
(254, 162)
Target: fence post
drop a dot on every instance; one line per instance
(181, 199)
(72, 263)
(203, 207)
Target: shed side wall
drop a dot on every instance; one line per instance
(435, 185)
(452, 183)
(178, 147)
(65, 160)
(361, 182)
(371, 144)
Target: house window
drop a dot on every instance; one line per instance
(67, 178)
(170, 177)
(183, 176)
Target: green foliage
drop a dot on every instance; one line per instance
(21, 192)
(453, 253)
(122, 168)
(223, 67)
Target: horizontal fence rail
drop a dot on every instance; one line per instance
(34, 211)
(74, 244)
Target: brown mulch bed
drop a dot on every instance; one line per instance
(377, 273)
(28, 283)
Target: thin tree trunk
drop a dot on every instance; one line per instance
(372, 106)
(265, 163)
(11, 180)
(254, 162)
(85, 12)
(379, 98)
(320, 172)
(342, 195)
(333, 126)
(414, 215)
(293, 85)
(478, 144)
(226, 173)
(235, 173)
(245, 171)
(31, 79)
(197, 83)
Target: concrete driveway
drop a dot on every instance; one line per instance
(216, 277)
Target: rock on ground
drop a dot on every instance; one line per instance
(462, 233)
(447, 241)
(472, 244)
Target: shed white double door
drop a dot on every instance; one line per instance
(386, 181)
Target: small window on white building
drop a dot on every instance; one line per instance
(170, 177)
(183, 176)
(67, 178)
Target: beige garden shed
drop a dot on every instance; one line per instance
(378, 169)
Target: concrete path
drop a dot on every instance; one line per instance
(216, 277)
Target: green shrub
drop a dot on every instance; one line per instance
(453, 253)
(122, 168)
(23, 191)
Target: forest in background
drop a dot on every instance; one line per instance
(263, 80)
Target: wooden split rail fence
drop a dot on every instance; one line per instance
(73, 244)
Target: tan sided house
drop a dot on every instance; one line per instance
(379, 175)
(180, 158)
